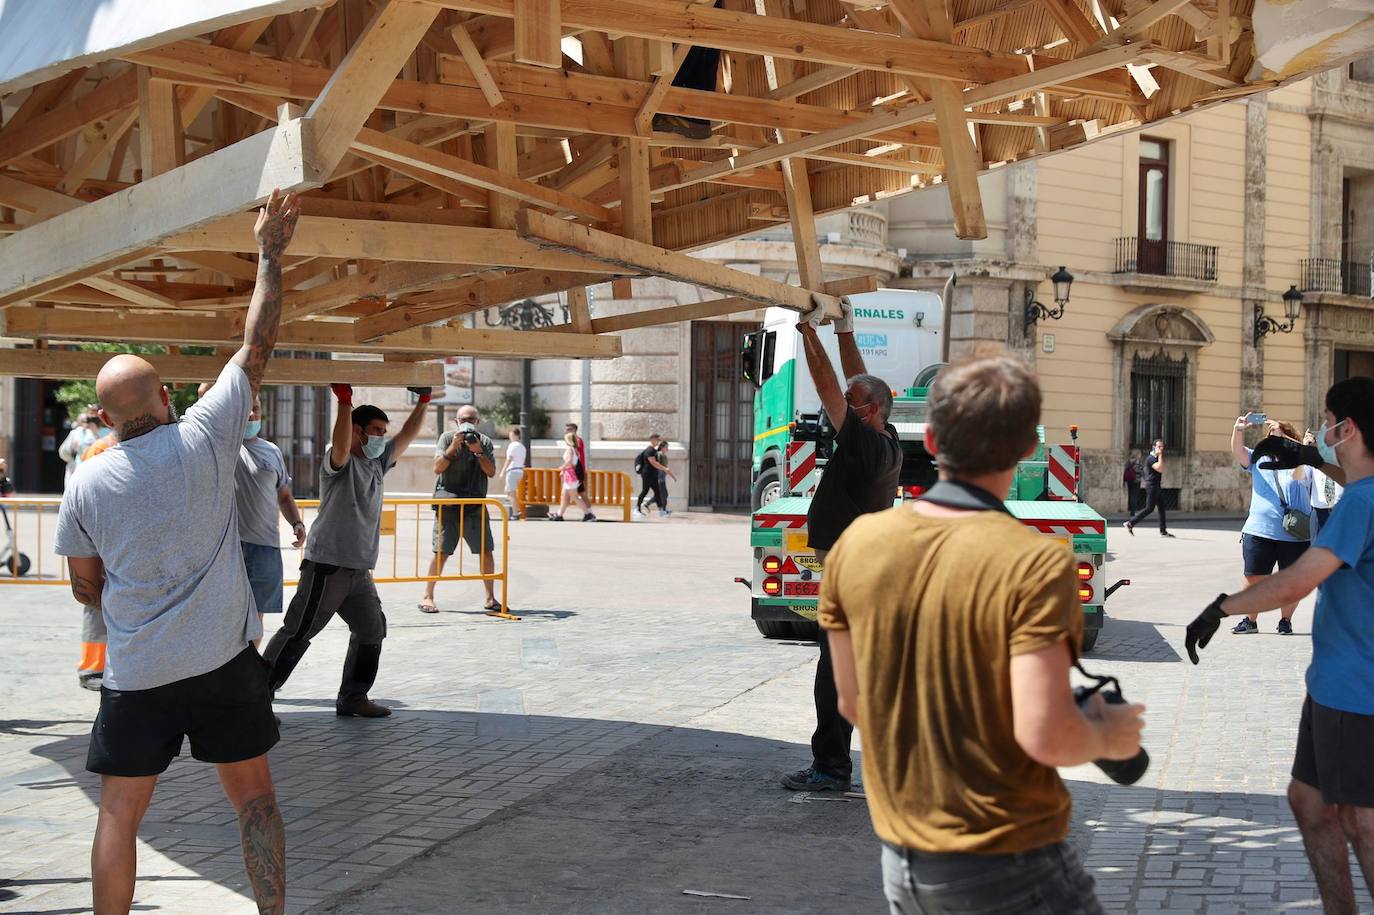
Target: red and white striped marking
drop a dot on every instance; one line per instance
(790, 521)
(1063, 475)
(1066, 527)
(802, 472)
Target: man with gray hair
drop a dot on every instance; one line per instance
(861, 477)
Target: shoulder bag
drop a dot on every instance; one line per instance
(1295, 523)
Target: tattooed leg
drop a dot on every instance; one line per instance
(248, 785)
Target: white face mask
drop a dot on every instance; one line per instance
(374, 446)
(1328, 452)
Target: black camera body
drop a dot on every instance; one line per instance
(472, 437)
(1121, 771)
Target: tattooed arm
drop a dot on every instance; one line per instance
(276, 223)
(88, 579)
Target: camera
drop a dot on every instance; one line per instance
(469, 433)
(1121, 771)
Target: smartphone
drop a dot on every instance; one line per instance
(1255, 419)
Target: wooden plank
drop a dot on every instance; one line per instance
(1197, 68)
(383, 148)
(321, 236)
(113, 95)
(962, 163)
(817, 79)
(480, 72)
(579, 309)
(663, 83)
(386, 281)
(128, 223)
(478, 292)
(130, 292)
(63, 364)
(161, 144)
(538, 33)
(105, 139)
(548, 231)
(230, 265)
(502, 158)
(30, 198)
(365, 74)
(1072, 21)
(1140, 22)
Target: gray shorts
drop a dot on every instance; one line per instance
(471, 522)
(1044, 881)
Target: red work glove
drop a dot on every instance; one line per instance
(344, 392)
(422, 393)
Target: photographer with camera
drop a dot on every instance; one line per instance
(1332, 791)
(465, 460)
(952, 628)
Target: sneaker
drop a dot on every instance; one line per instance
(811, 779)
(638, 514)
(361, 708)
(90, 682)
(1245, 627)
(691, 128)
(1166, 534)
(589, 517)
(1285, 627)
(1130, 528)
(663, 513)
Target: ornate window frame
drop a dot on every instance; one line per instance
(1150, 330)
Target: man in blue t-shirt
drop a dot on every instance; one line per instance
(1332, 791)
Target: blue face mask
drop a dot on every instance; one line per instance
(374, 445)
(1328, 452)
(252, 428)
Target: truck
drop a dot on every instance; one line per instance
(899, 334)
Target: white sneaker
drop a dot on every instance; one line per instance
(638, 514)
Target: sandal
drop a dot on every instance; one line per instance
(493, 608)
(427, 606)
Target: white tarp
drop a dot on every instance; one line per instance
(42, 39)
(1305, 36)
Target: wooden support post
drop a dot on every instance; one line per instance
(161, 144)
(502, 156)
(538, 33)
(579, 309)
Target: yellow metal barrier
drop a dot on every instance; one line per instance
(407, 523)
(544, 486)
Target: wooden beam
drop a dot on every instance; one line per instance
(502, 159)
(1142, 20)
(130, 292)
(1072, 21)
(386, 281)
(161, 143)
(41, 131)
(365, 74)
(64, 364)
(379, 146)
(231, 265)
(579, 309)
(320, 236)
(105, 139)
(130, 222)
(30, 198)
(547, 231)
(538, 33)
(663, 83)
(817, 79)
(480, 72)
(1197, 68)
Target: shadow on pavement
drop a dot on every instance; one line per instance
(1132, 640)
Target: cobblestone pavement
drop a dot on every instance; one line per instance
(616, 748)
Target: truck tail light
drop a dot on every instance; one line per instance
(772, 586)
(1085, 592)
(1086, 571)
(771, 564)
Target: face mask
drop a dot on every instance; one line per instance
(374, 446)
(252, 428)
(1328, 452)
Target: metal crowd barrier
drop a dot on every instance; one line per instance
(27, 527)
(544, 486)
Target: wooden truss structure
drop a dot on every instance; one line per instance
(460, 154)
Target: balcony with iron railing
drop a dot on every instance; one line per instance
(1174, 259)
(1330, 274)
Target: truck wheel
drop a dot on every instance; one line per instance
(801, 630)
(1090, 639)
(768, 487)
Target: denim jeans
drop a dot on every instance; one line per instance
(263, 564)
(1044, 881)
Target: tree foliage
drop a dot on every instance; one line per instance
(77, 393)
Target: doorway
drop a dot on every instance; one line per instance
(40, 425)
(722, 443)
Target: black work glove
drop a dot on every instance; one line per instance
(1201, 630)
(1286, 453)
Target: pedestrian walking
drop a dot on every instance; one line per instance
(465, 460)
(341, 549)
(567, 474)
(1154, 491)
(1332, 789)
(953, 627)
(262, 488)
(513, 471)
(665, 473)
(861, 477)
(581, 470)
(1130, 478)
(1269, 539)
(647, 467)
(149, 535)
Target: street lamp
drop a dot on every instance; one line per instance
(1265, 325)
(1063, 282)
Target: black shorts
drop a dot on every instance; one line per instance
(472, 523)
(227, 713)
(1334, 749)
(581, 477)
(1262, 554)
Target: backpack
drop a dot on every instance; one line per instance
(639, 463)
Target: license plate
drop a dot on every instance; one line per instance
(796, 542)
(801, 588)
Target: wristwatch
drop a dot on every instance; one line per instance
(298, 524)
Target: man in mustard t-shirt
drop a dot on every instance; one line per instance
(953, 627)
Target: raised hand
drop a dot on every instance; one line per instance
(845, 323)
(423, 393)
(344, 392)
(1284, 454)
(277, 222)
(1201, 630)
